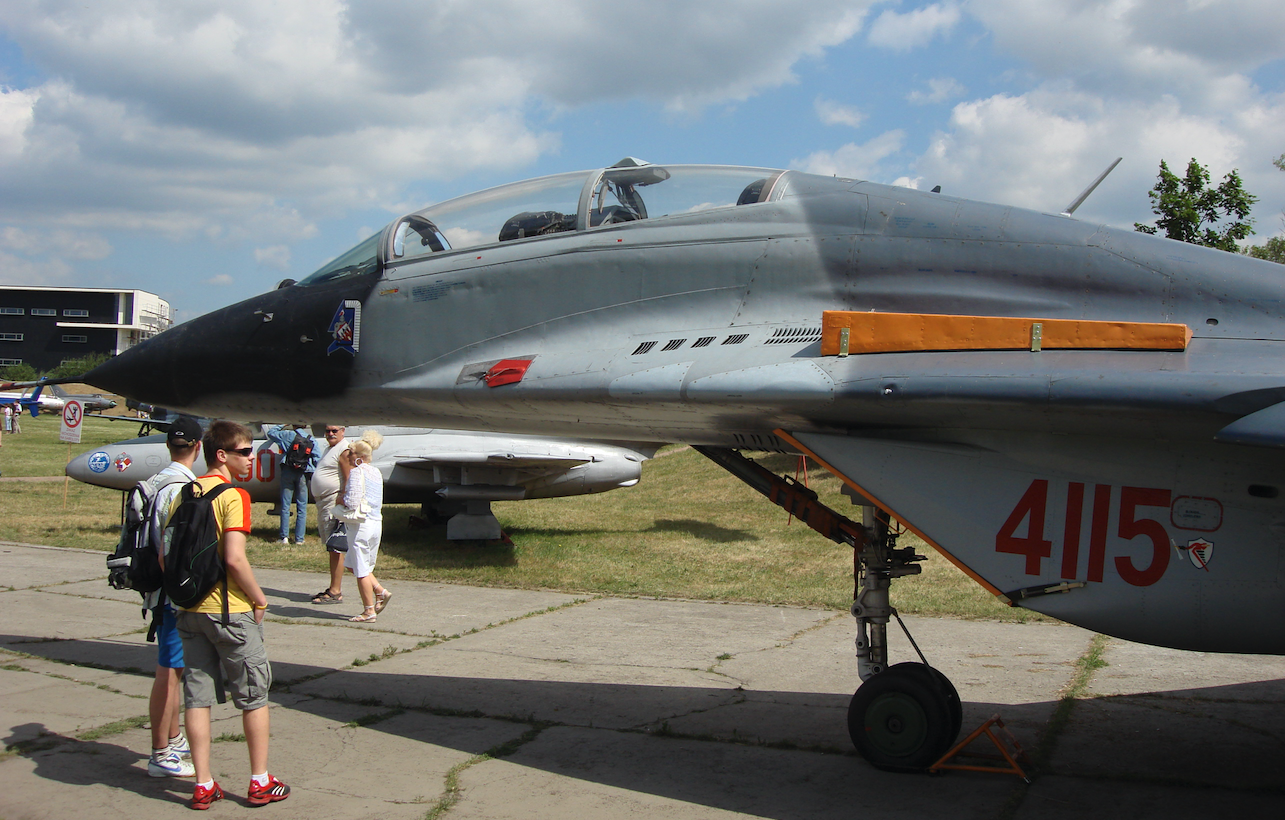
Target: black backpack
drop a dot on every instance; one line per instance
(192, 563)
(134, 563)
(299, 453)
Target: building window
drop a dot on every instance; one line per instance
(4, 311)
(10, 337)
(44, 312)
(8, 362)
(75, 312)
(74, 338)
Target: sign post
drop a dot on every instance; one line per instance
(72, 415)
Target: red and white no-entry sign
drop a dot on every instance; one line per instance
(73, 413)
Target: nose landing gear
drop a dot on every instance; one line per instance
(904, 717)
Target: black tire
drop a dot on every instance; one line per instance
(936, 678)
(899, 720)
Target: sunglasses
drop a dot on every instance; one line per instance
(242, 451)
(334, 431)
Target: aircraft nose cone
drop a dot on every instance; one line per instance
(89, 467)
(265, 355)
(138, 373)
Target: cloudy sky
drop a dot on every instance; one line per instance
(206, 149)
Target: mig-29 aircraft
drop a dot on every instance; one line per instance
(1086, 420)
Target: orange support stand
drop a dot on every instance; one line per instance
(1010, 752)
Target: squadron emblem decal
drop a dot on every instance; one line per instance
(122, 462)
(345, 327)
(1201, 552)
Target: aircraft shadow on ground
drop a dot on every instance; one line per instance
(768, 753)
(698, 529)
(75, 762)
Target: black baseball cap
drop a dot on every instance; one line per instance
(184, 431)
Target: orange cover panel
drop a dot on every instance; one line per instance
(903, 332)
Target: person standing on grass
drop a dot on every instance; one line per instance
(296, 468)
(363, 500)
(229, 650)
(171, 755)
(327, 481)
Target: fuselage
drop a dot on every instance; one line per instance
(685, 304)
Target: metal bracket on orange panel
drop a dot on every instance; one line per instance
(848, 332)
(1010, 753)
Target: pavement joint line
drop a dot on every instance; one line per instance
(434, 640)
(1089, 661)
(452, 792)
(126, 670)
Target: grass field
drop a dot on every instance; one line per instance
(687, 530)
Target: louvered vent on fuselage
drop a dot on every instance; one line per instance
(737, 339)
(643, 348)
(702, 341)
(792, 335)
(758, 441)
(673, 344)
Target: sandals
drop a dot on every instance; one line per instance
(367, 616)
(327, 597)
(381, 601)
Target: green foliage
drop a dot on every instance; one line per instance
(1273, 250)
(78, 367)
(1189, 211)
(18, 373)
(70, 369)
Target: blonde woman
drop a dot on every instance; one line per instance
(363, 498)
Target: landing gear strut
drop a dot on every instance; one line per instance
(903, 717)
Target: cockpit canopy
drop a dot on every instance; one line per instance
(629, 191)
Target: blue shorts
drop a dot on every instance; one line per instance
(169, 647)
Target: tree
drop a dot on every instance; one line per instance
(1191, 212)
(1273, 250)
(78, 367)
(18, 373)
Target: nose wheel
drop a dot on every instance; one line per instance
(905, 718)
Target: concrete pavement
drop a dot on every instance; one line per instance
(493, 703)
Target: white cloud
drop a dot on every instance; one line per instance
(16, 114)
(208, 116)
(902, 32)
(219, 280)
(939, 90)
(1143, 79)
(17, 270)
(833, 113)
(857, 160)
(62, 243)
(1141, 48)
(276, 256)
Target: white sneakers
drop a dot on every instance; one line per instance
(174, 760)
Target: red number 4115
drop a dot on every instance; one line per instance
(1033, 507)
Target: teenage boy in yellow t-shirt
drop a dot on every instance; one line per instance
(235, 648)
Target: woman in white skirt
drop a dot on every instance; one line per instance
(364, 495)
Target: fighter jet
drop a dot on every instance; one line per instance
(36, 402)
(1086, 420)
(91, 403)
(454, 475)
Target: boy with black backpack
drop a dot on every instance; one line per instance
(298, 461)
(220, 619)
(136, 565)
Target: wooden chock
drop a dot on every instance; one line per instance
(1011, 759)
